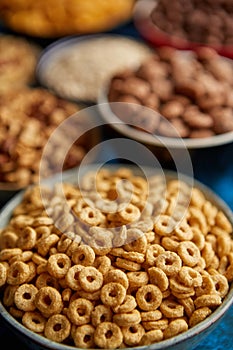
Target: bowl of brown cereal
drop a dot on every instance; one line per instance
(115, 256)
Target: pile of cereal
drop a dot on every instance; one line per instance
(193, 91)
(130, 265)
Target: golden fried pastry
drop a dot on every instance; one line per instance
(18, 59)
(54, 18)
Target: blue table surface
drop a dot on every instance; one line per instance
(212, 167)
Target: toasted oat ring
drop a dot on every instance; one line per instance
(127, 265)
(153, 252)
(136, 241)
(209, 300)
(8, 253)
(102, 263)
(57, 328)
(151, 337)
(149, 297)
(171, 308)
(127, 319)
(184, 232)
(83, 255)
(164, 225)
(188, 305)
(72, 277)
(9, 295)
(178, 286)
(18, 273)
(83, 336)
(25, 296)
(152, 325)
(27, 238)
(108, 335)
(221, 284)
(91, 216)
(159, 278)
(199, 315)
(101, 313)
(34, 321)
(112, 294)
(189, 253)
(129, 213)
(137, 279)
(169, 262)
(134, 256)
(207, 287)
(79, 311)
(132, 334)
(90, 279)
(45, 280)
(128, 305)
(151, 316)
(58, 265)
(3, 274)
(190, 277)
(170, 243)
(117, 276)
(48, 300)
(175, 327)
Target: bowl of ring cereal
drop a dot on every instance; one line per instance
(115, 256)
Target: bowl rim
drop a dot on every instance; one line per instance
(161, 141)
(164, 344)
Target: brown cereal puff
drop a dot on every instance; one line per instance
(137, 279)
(58, 265)
(153, 251)
(199, 315)
(128, 305)
(117, 276)
(83, 255)
(27, 238)
(171, 308)
(127, 319)
(34, 321)
(3, 274)
(112, 294)
(190, 277)
(83, 336)
(164, 225)
(25, 296)
(101, 313)
(108, 335)
(151, 337)
(46, 280)
(48, 300)
(57, 328)
(72, 277)
(189, 253)
(18, 273)
(132, 334)
(79, 311)
(90, 279)
(159, 278)
(209, 300)
(175, 327)
(169, 262)
(9, 295)
(149, 297)
(129, 213)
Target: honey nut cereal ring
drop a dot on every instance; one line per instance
(169, 262)
(209, 300)
(223, 245)
(8, 239)
(127, 319)
(149, 297)
(46, 280)
(144, 225)
(72, 277)
(197, 198)
(90, 279)
(83, 255)
(189, 253)
(229, 273)
(42, 221)
(16, 313)
(128, 213)
(101, 313)
(63, 243)
(43, 231)
(18, 273)
(184, 232)
(48, 301)
(147, 316)
(3, 274)
(178, 286)
(153, 252)
(221, 284)
(83, 336)
(128, 305)
(150, 237)
(79, 311)
(132, 335)
(136, 241)
(199, 315)
(153, 325)
(9, 295)
(134, 256)
(92, 296)
(103, 264)
(108, 335)
(210, 212)
(159, 278)
(190, 277)
(127, 265)
(27, 238)
(198, 238)
(171, 308)
(57, 328)
(222, 221)
(197, 218)
(8, 253)
(175, 327)
(91, 216)
(45, 243)
(170, 243)
(188, 305)
(180, 295)
(24, 256)
(138, 279)
(112, 294)
(38, 259)
(25, 296)
(153, 336)
(164, 225)
(117, 276)
(58, 265)
(118, 252)
(34, 321)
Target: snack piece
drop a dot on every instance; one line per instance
(72, 17)
(18, 60)
(139, 293)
